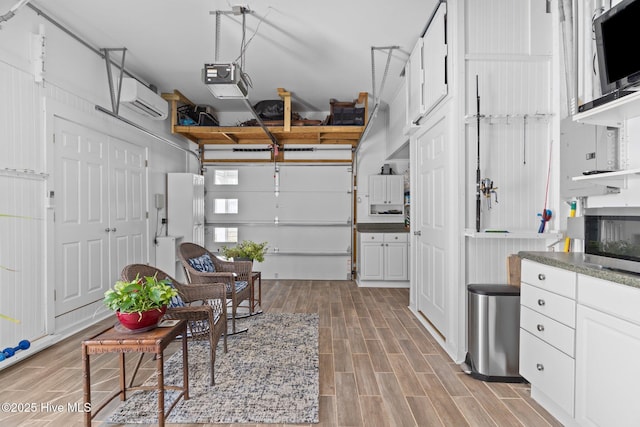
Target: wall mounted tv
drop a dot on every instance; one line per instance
(617, 31)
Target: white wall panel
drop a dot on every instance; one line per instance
(508, 46)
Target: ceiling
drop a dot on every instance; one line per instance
(315, 49)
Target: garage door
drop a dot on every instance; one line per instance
(304, 212)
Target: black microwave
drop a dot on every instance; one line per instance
(612, 238)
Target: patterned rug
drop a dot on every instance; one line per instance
(268, 376)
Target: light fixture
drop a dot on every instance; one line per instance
(225, 81)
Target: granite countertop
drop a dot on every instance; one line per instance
(574, 261)
(381, 227)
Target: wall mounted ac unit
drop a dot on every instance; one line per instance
(143, 100)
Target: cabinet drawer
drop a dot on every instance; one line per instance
(555, 333)
(396, 237)
(553, 279)
(548, 369)
(551, 305)
(371, 237)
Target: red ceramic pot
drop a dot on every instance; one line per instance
(137, 320)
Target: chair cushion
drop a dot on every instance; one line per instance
(177, 300)
(203, 263)
(240, 285)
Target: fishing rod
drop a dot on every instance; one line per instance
(484, 187)
(478, 158)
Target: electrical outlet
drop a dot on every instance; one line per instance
(164, 220)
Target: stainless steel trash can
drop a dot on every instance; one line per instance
(493, 332)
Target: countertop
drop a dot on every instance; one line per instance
(381, 227)
(574, 261)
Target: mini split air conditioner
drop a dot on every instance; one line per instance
(143, 100)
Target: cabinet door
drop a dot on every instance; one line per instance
(415, 105)
(372, 261)
(377, 189)
(395, 189)
(606, 370)
(395, 261)
(434, 54)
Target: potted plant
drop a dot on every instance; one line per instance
(140, 303)
(247, 250)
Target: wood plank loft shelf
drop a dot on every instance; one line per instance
(287, 134)
(612, 113)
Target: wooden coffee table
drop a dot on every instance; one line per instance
(119, 340)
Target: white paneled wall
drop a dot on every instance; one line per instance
(508, 46)
(22, 214)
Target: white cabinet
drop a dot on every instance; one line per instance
(547, 335)
(579, 336)
(384, 256)
(607, 343)
(185, 206)
(426, 68)
(434, 54)
(386, 195)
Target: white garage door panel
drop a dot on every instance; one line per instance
(253, 206)
(314, 239)
(250, 178)
(261, 233)
(306, 267)
(314, 207)
(324, 178)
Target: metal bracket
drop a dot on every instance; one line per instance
(115, 99)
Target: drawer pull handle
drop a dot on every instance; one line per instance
(541, 276)
(540, 327)
(540, 367)
(541, 302)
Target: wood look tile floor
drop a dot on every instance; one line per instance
(378, 367)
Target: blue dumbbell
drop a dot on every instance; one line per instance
(9, 351)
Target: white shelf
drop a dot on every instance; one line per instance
(512, 234)
(614, 179)
(613, 113)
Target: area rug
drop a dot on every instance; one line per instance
(268, 376)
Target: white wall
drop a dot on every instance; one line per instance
(75, 81)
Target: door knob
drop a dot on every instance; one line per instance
(540, 327)
(541, 302)
(540, 367)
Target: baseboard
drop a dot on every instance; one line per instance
(383, 284)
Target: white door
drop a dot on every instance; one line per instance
(100, 213)
(127, 202)
(81, 218)
(432, 245)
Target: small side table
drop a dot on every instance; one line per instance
(256, 275)
(117, 340)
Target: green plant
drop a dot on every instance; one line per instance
(141, 294)
(246, 249)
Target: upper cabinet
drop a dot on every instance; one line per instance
(426, 69)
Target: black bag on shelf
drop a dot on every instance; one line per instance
(270, 109)
(196, 115)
